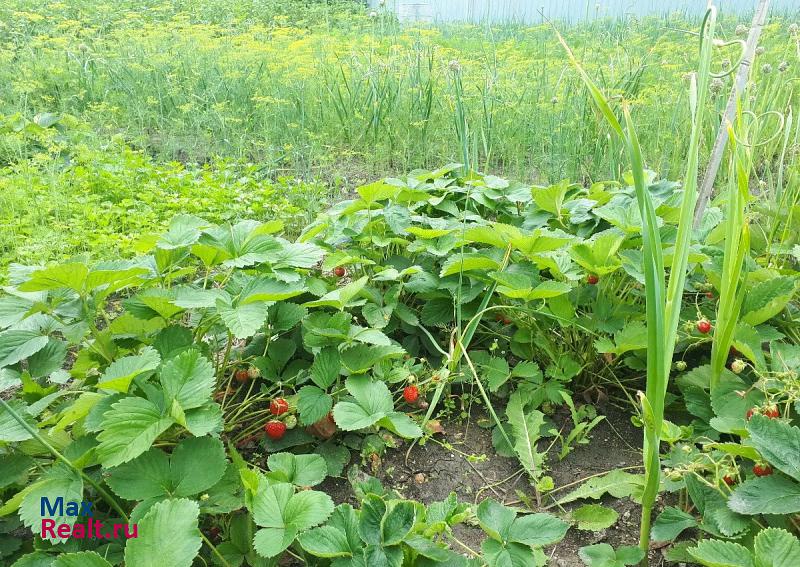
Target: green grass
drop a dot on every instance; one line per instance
(178, 105)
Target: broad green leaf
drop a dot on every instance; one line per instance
(120, 373)
(373, 509)
(188, 378)
(189, 297)
(775, 547)
(373, 401)
(466, 262)
(80, 559)
(736, 449)
(340, 297)
(313, 404)
(326, 541)
(497, 554)
(548, 289)
(205, 420)
(603, 555)
(385, 556)
(359, 358)
(295, 255)
(718, 553)
(526, 427)
(670, 523)
(48, 360)
(13, 309)
(430, 549)
(632, 336)
(243, 320)
(167, 535)
(325, 368)
(766, 299)
(537, 529)
(778, 442)
(71, 276)
(263, 289)
(599, 254)
(351, 417)
(59, 482)
(146, 476)
(152, 303)
(189, 479)
(594, 517)
(551, 199)
(300, 470)
(184, 230)
(495, 519)
(129, 429)
(397, 522)
(372, 395)
(10, 428)
(14, 468)
(282, 514)
(774, 494)
(19, 345)
(401, 424)
(617, 483)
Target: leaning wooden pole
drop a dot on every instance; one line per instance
(743, 73)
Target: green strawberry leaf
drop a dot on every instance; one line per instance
(167, 535)
(774, 547)
(282, 515)
(594, 517)
(313, 404)
(300, 470)
(120, 373)
(129, 429)
(718, 553)
(188, 379)
(778, 442)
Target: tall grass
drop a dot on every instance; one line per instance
(663, 301)
(324, 90)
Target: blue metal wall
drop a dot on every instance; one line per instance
(527, 11)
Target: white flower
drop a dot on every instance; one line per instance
(373, 14)
(741, 29)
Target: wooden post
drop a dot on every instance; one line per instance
(742, 74)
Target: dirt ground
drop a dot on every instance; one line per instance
(433, 471)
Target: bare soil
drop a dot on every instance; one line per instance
(464, 461)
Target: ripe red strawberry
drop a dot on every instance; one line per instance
(411, 394)
(506, 321)
(729, 480)
(710, 294)
(772, 412)
(762, 470)
(592, 279)
(242, 376)
(339, 271)
(703, 326)
(498, 316)
(275, 429)
(278, 406)
(750, 413)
